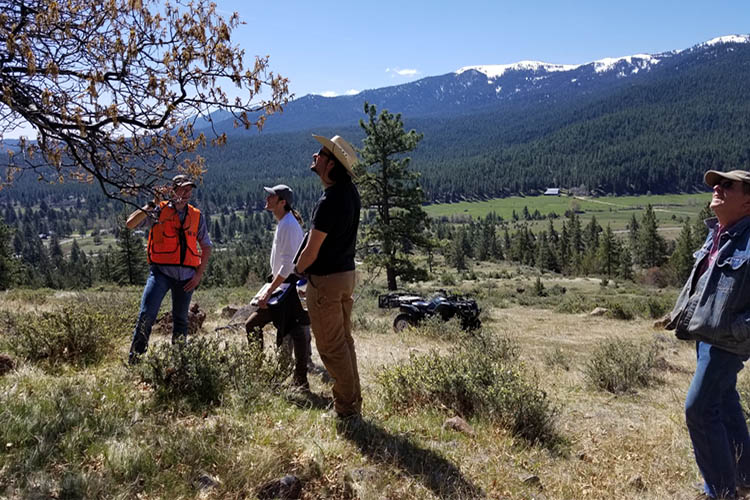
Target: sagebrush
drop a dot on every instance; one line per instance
(202, 370)
(618, 365)
(78, 335)
(481, 377)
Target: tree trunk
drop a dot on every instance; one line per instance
(391, 276)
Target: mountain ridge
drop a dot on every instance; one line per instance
(473, 89)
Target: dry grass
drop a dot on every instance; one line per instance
(632, 446)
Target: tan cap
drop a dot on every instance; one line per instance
(713, 177)
(342, 150)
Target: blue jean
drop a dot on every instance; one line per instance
(156, 288)
(716, 423)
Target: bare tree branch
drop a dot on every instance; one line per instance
(114, 88)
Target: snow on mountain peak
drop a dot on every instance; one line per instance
(497, 70)
(726, 39)
(635, 62)
(640, 60)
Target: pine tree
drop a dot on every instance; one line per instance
(103, 265)
(700, 231)
(457, 250)
(563, 249)
(8, 265)
(545, 257)
(681, 261)
(388, 187)
(633, 228)
(651, 247)
(591, 235)
(625, 268)
(130, 264)
(216, 233)
(576, 244)
(608, 252)
(486, 240)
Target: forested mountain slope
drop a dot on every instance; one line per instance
(646, 123)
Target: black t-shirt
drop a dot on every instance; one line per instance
(337, 215)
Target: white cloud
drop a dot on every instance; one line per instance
(402, 72)
(331, 93)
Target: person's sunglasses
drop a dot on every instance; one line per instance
(324, 152)
(725, 184)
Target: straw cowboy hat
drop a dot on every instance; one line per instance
(342, 150)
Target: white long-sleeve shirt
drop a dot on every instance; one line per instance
(286, 241)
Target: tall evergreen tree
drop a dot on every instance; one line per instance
(388, 187)
(681, 261)
(608, 252)
(563, 249)
(651, 245)
(633, 229)
(457, 250)
(130, 264)
(545, 256)
(700, 231)
(625, 267)
(8, 265)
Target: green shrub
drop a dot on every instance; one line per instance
(743, 387)
(557, 358)
(202, 370)
(539, 290)
(448, 279)
(619, 365)
(617, 310)
(435, 327)
(365, 322)
(620, 306)
(79, 335)
(479, 377)
(37, 296)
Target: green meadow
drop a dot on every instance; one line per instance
(670, 209)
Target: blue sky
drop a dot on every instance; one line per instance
(338, 47)
(335, 46)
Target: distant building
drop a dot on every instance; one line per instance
(552, 192)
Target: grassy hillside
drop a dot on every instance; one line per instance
(79, 423)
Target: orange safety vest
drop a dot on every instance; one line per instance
(171, 243)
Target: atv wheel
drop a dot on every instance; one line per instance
(401, 322)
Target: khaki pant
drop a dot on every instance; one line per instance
(329, 302)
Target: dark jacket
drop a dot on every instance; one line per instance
(715, 306)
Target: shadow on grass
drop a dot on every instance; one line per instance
(309, 400)
(437, 473)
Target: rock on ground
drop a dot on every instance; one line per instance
(458, 424)
(6, 364)
(599, 311)
(288, 487)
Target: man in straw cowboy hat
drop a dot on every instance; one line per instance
(328, 261)
(178, 250)
(713, 310)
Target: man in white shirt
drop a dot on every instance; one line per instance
(287, 314)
